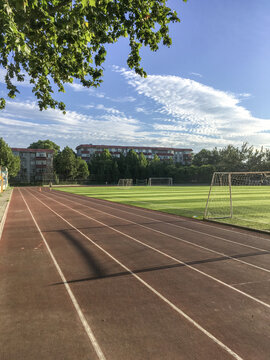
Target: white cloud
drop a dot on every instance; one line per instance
(143, 110)
(108, 109)
(181, 113)
(87, 106)
(203, 112)
(23, 123)
(245, 95)
(196, 74)
(123, 99)
(139, 109)
(166, 127)
(91, 91)
(102, 107)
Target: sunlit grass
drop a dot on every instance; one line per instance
(251, 205)
(181, 200)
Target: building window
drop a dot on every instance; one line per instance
(41, 162)
(41, 154)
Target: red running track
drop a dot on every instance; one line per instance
(83, 278)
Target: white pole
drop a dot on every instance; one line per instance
(230, 187)
(206, 207)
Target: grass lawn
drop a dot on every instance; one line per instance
(251, 204)
(180, 200)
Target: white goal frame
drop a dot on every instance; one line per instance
(229, 179)
(125, 182)
(141, 182)
(153, 179)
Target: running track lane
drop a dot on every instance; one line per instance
(255, 279)
(247, 248)
(129, 320)
(37, 321)
(242, 324)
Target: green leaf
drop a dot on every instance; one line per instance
(70, 38)
(2, 103)
(88, 2)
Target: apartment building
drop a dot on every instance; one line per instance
(36, 165)
(182, 156)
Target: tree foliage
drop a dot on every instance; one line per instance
(102, 166)
(231, 158)
(45, 144)
(9, 160)
(105, 168)
(82, 169)
(56, 41)
(69, 167)
(204, 157)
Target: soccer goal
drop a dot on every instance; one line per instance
(159, 181)
(241, 198)
(125, 182)
(141, 182)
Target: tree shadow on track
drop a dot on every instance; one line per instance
(89, 259)
(164, 267)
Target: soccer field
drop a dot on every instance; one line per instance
(180, 200)
(251, 204)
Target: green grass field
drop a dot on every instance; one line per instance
(251, 204)
(181, 200)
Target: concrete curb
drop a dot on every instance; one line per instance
(238, 226)
(3, 220)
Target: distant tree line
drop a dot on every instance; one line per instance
(230, 158)
(103, 168)
(107, 169)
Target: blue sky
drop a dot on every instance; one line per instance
(210, 88)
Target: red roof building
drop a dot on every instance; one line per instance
(178, 155)
(36, 165)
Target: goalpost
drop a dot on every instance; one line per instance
(160, 181)
(141, 182)
(125, 182)
(240, 197)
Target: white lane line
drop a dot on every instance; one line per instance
(86, 326)
(174, 307)
(3, 221)
(175, 237)
(156, 250)
(213, 225)
(162, 222)
(252, 282)
(186, 228)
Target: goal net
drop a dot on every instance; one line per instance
(240, 198)
(141, 182)
(158, 181)
(125, 182)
